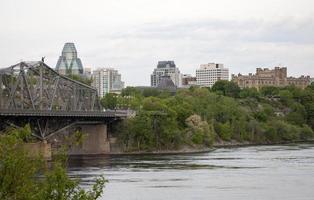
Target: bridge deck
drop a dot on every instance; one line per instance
(47, 113)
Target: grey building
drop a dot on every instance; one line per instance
(166, 68)
(68, 62)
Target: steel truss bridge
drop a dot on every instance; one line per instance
(33, 93)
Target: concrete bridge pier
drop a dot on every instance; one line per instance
(95, 140)
(39, 149)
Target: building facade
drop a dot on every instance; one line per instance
(208, 74)
(188, 81)
(68, 63)
(166, 68)
(107, 80)
(270, 77)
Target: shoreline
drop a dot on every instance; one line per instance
(189, 150)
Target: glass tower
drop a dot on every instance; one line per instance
(68, 62)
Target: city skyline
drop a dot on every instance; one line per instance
(242, 35)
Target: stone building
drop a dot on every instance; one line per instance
(270, 77)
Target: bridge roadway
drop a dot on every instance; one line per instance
(71, 114)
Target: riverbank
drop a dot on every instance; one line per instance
(217, 145)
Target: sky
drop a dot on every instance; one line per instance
(133, 35)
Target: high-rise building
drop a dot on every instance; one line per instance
(107, 80)
(69, 63)
(166, 68)
(270, 77)
(208, 74)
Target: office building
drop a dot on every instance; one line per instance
(208, 74)
(166, 68)
(107, 80)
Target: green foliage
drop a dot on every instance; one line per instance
(109, 101)
(269, 91)
(151, 92)
(223, 112)
(27, 177)
(249, 93)
(200, 132)
(227, 88)
(297, 115)
(82, 79)
(285, 97)
(224, 130)
(306, 132)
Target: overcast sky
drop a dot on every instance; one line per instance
(133, 35)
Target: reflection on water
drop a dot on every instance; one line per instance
(261, 172)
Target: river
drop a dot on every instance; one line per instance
(280, 172)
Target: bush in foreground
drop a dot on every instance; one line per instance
(28, 178)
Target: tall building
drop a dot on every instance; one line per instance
(208, 74)
(68, 62)
(270, 77)
(166, 68)
(107, 80)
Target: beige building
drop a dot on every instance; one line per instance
(208, 74)
(270, 77)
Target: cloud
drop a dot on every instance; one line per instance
(240, 45)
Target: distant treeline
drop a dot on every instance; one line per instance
(202, 116)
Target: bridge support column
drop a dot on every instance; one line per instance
(95, 140)
(39, 149)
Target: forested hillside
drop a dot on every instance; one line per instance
(202, 116)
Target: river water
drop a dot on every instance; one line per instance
(261, 172)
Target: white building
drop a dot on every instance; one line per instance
(107, 80)
(208, 74)
(166, 68)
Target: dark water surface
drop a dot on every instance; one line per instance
(262, 172)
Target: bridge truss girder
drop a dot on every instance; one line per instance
(35, 86)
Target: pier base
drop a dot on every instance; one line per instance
(95, 141)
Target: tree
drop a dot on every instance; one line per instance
(19, 174)
(269, 91)
(130, 91)
(297, 115)
(285, 97)
(199, 131)
(224, 130)
(249, 92)
(227, 88)
(82, 79)
(110, 101)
